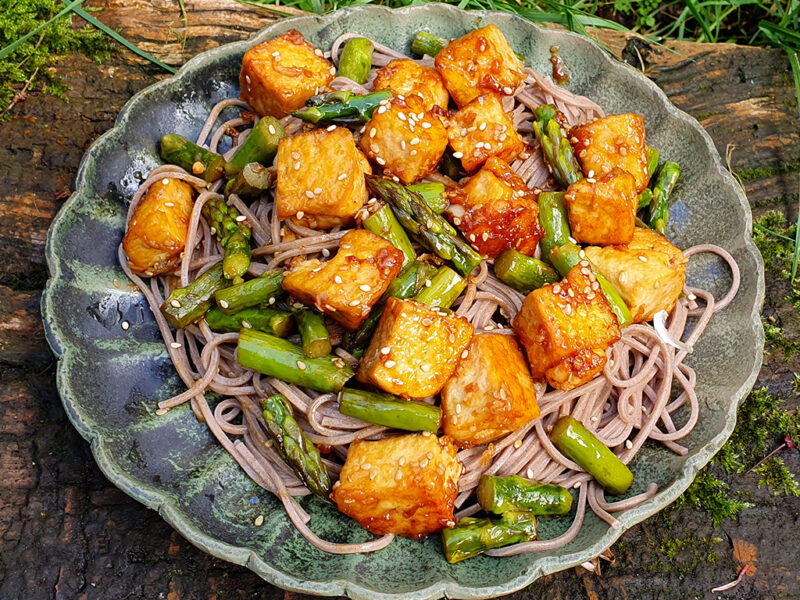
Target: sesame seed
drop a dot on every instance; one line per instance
(385, 350)
(337, 279)
(301, 365)
(169, 204)
(366, 466)
(326, 253)
(341, 177)
(465, 354)
(175, 345)
(458, 154)
(403, 144)
(456, 221)
(401, 116)
(271, 129)
(692, 297)
(259, 521)
(365, 288)
(309, 194)
(577, 485)
(125, 325)
(428, 283)
(331, 128)
(223, 304)
(241, 218)
(508, 91)
(591, 180)
(488, 328)
(479, 145)
(380, 161)
(628, 444)
(643, 258)
(389, 364)
(247, 79)
(318, 52)
(297, 166)
(502, 137)
(162, 411)
(402, 461)
(484, 236)
(373, 132)
(175, 303)
(518, 444)
(582, 254)
(375, 148)
(556, 289)
(295, 155)
(424, 462)
(372, 475)
(272, 300)
(355, 302)
(572, 239)
(413, 153)
(381, 110)
(318, 190)
(333, 71)
(415, 141)
(471, 237)
(426, 125)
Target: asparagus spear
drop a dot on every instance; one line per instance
(446, 286)
(293, 446)
(186, 305)
(431, 229)
(427, 43)
(433, 195)
(645, 198)
(653, 156)
(356, 60)
(341, 107)
(260, 146)
(284, 360)
(523, 273)
(515, 493)
(268, 320)
(389, 411)
(472, 536)
(659, 205)
(383, 223)
(250, 293)
(313, 333)
(579, 444)
(253, 181)
(177, 150)
(554, 221)
(233, 235)
(556, 149)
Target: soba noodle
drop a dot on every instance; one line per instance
(629, 403)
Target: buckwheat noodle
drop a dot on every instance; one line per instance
(634, 400)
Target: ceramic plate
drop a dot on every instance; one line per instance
(111, 379)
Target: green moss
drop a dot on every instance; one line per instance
(711, 495)
(775, 474)
(760, 173)
(776, 340)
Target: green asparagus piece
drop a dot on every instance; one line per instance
(177, 150)
(580, 445)
(471, 535)
(389, 411)
(233, 235)
(515, 493)
(659, 206)
(446, 286)
(276, 357)
(566, 256)
(250, 293)
(293, 445)
(427, 43)
(185, 305)
(554, 221)
(523, 273)
(356, 60)
(313, 333)
(433, 195)
(341, 107)
(268, 320)
(253, 181)
(653, 156)
(556, 149)
(260, 146)
(644, 198)
(431, 229)
(383, 223)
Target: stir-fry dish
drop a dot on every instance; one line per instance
(435, 292)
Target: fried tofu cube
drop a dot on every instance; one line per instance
(348, 285)
(491, 392)
(566, 329)
(603, 210)
(479, 62)
(649, 272)
(613, 141)
(405, 139)
(482, 129)
(405, 77)
(496, 211)
(320, 178)
(406, 485)
(414, 349)
(279, 75)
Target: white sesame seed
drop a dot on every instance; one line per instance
(577, 485)
(175, 345)
(590, 173)
(272, 300)
(297, 166)
(271, 129)
(628, 444)
(331, 128)
(428, 283)
(162, 411)
(355, 302)
(301, 365)
(259, 521)
(426, 125)
(530, 473)
(591, 180)
(643, 258)
(381, 110)
(508, 91)
(165, 181)
(572, 239)
(389, 364)
(482, 126)
(471, 237)
(458, 154)
(223, 303)
(337, 279)
(247, 79)
(365, 288)
(415, 141)
(385, 350)
(380, 161)
(170, 204)
(403, 144)
(295, 155)
(309, 194)
(373, 132)
(465, 354)
(241, 218)
(485, 236)
(479, 145)
(518, 444)
(692, 297)
(175, 303)
(326, 253)
(318, 190)
(488, 328)
(556, 289)
(125, 325)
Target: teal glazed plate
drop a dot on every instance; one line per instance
(110, 379)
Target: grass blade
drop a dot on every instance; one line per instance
(692, 6)
(17, 43)
(796, 257)
(269, 8)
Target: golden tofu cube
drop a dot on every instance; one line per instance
(491, 392)
(405, 139)
(348, 285)
(414, 349)
(613, 141)
(320, 178)
(649, 272)
(405, 77)
(603, 210)
(279, 75)
(496, 211)
(482, 129)
(479, 62)
(566, 329)
(406, 485)
(157, 230)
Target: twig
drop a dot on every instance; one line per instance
(20, 95)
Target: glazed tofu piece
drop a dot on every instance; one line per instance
(320, 178)
(279, 75)
(414, 349)
(405, 139)
(405, 77)
(491, 392)
(406, 485)
(496, 211)
(482, 129)
(477, 63)
(602, 210)
(156, 234)
(348, 285)
(613, 141)
(649, 272)
(566, 329)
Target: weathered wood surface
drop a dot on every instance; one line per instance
(66, 532)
